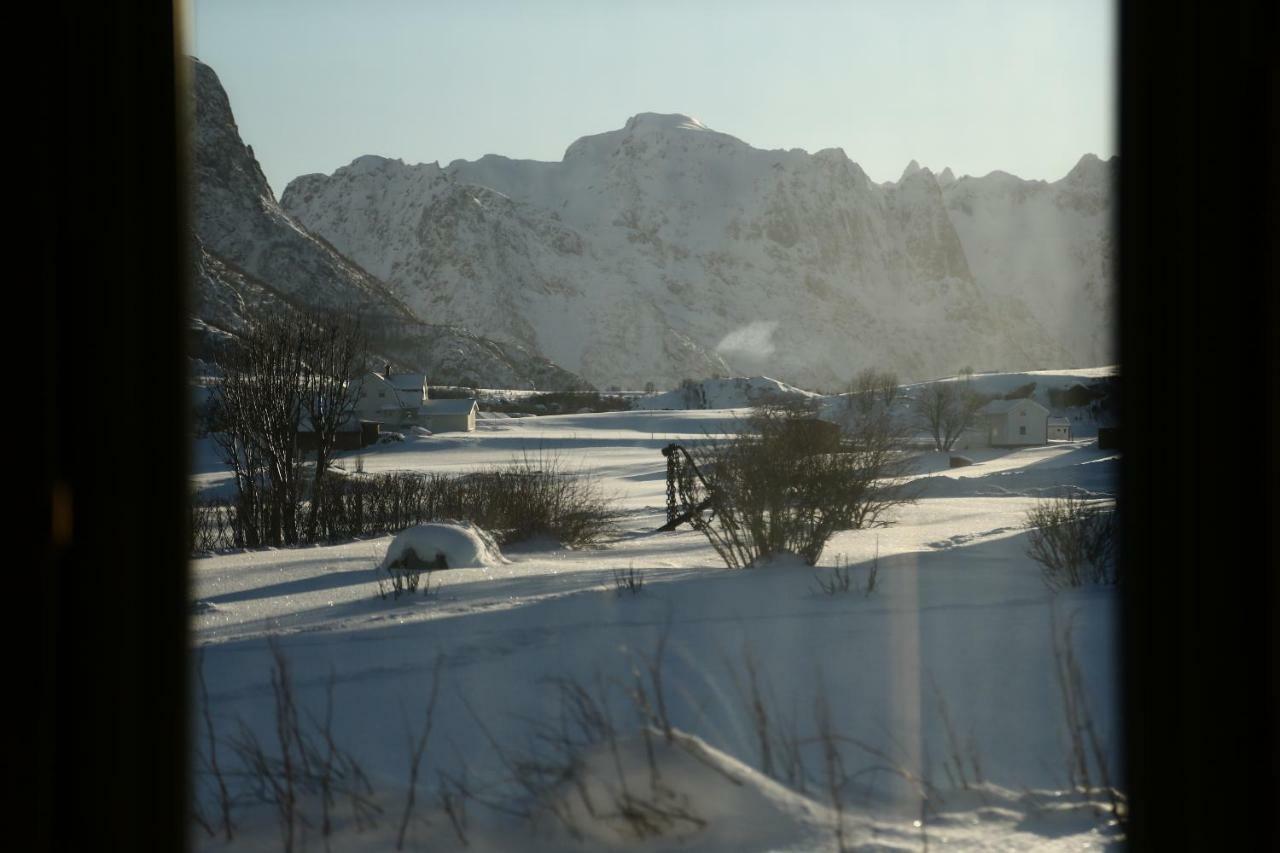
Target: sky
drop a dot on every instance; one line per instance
(1026, 87)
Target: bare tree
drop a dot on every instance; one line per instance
(336, 347)
(861, 396)
(948, 409)
(289, 368)
(888, 387)
(869, 389)
(259, 404)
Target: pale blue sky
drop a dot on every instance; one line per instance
(1025, 86)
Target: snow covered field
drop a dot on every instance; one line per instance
(938, 689)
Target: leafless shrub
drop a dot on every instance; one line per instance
(833, 775)
(786, 752)
(556, 778)
(838, 583)
(778, 743)
(1088, 770)
(653, 706)
(574, 769)
(841, 579)
(531, 496)
(788, 482)
(958, 753)
(453, 793)
(873, 573)
(1073, 540)
(209, 760)
(395, 581)
(307, 762)
(214, 526)
(417, 748)
(631, 581)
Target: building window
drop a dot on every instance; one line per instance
(1022, 430)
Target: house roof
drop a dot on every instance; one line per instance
(448, 407)
(1003, 407)
(1059, 421)
(407, 381)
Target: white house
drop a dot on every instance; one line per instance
(379, 400)
(1059, 429)
(401, 399)
(448, 415)
(1010, 423)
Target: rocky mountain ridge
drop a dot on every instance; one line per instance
(666, 249)
(248, 257)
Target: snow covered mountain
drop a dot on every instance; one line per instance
(666, 249)
(249, 257)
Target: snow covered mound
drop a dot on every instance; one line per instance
(731, 393)
(459, 546)
(650, 794)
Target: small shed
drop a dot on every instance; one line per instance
(1015, 423)
(1059, 429)
(448, 415)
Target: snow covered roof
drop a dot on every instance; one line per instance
(447, 407)
(407, 381)
(1059, 421)
(1003, 407)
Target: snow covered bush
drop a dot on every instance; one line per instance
(425, 548)
(1073, 540)
(441, 546)
(787, 483)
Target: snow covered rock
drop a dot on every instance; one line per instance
(449, 546)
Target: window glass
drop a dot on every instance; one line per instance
(721, 555)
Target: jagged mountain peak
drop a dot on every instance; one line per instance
(1090, 168)
(663, 123)
(645, 132)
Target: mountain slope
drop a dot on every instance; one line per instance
(666, 249)
(249, 257)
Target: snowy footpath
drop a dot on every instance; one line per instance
(708, 710)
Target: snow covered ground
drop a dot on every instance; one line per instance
(938, 687)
